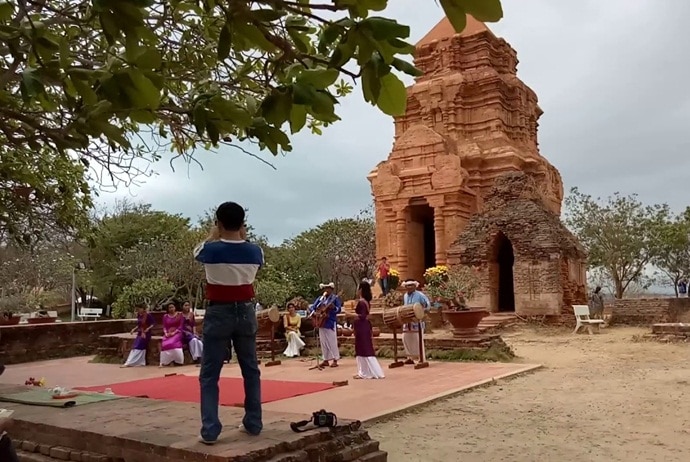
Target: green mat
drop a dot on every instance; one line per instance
(42, 397)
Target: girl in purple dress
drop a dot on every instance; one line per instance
(196, 347)
(173, 336)
(368, 366)
(145, 322)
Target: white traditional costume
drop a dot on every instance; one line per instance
(410, 336)
(328, 336)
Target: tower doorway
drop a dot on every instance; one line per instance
(421, 253)
(504, 261)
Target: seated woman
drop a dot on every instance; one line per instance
(173, 335)
(292, 322)
(145, 322)
(368, 366)
(196, 346)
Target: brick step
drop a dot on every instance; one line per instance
(378, 456)
(28, 451)
(356, 451)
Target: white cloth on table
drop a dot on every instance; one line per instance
(196, 348)
(411, 343)
(329, 344)
(368, 367)
(294, 345)
(136, 358)
(176, 355)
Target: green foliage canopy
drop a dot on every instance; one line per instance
(89, 87)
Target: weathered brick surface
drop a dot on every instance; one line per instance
(469, 119)
(25, 343)
(645, 311)
(548, 270)
(106, 432)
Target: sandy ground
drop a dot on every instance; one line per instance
(599, 398)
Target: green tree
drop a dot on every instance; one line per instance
(672, 256)
(621, 234)
(128, 226)
(92, 87)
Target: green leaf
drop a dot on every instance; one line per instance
(298, 118)
(199, 118)
(385, 29)
(276, 107)
(224, 42)
(65, 58)
(85, 91)
(371, 84)
(31, 85)
(456, 14)
(230, 111)
(407, 68)
(268, 15)
(213, 133)
(254, 35)
(6, 11)
(301, 41)
(393, 97)
(484, 10)
(142, 117)
(149, 59)
(320, 78)
(143, 93)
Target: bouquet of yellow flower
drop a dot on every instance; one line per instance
(451, 285)
(393, 278)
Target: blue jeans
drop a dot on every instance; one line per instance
(233, 323)
(384, 285)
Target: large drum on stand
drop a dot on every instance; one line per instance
(396, 317)
(267, 320)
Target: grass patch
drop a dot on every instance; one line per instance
(498, 351)
(100, 359)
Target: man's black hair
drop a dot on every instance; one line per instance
(230, 216)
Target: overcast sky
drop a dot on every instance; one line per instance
(612, 78)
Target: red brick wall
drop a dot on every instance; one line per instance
(644, 311)
(25, 343)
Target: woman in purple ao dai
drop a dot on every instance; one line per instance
(173, 337)
(145, 322)
(194, 343)
(368, 366)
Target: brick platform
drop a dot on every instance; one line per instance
(142, 430)
(670, 332)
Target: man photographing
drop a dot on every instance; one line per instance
(231, 264)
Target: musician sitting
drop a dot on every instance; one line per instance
(324, 313)
(292, 322)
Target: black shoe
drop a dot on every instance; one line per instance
(2, 368)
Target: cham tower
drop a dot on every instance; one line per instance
(465, 183)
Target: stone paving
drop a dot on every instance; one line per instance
(363, 400)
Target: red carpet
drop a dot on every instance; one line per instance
(185, 388)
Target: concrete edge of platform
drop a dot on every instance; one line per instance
(392, 413)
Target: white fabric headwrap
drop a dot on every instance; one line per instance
(411, 283)
(329, 285)
(368, 281)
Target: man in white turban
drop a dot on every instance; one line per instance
(410, 336)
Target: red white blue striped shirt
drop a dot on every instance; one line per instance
(231, 268)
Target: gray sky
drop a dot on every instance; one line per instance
(611, 77)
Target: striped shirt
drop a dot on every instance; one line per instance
(231, 268)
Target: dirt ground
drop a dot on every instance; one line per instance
(598, 398)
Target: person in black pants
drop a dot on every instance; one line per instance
(7, 452)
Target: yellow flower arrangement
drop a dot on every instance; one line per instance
(393, 278)
(435, 272)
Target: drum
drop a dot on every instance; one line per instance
(271, 315)
(396, 317)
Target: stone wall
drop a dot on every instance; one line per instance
(26, 343)
(644, 311)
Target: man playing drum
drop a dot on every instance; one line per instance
(410, 336)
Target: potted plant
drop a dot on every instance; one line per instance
(452, 287)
